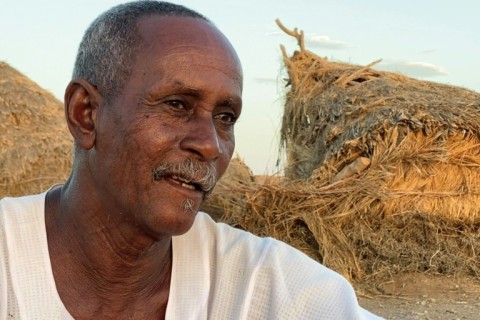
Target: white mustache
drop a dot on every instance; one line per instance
(203, 176)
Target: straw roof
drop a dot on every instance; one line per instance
(420, 136)
(332, 104)
(34, 141)
(382, 172)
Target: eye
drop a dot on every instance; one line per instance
(227, 117)
(176, 104)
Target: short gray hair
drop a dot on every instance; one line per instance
(109, 45)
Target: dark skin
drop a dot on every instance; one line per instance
(109, 227)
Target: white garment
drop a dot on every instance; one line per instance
(218, 273)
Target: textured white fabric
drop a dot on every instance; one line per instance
(224, 273)
(29, 291)
(218, 273)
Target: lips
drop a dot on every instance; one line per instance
(186, 183)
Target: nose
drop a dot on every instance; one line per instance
(202, 139)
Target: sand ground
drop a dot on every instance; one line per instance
(420, 296)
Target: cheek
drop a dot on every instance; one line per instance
(137, 145)
(151, 139)
(226, 142)
(227, 148)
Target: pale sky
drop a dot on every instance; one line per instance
(435, 40)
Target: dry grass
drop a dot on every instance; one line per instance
(382, 172)
(229, 193)
(34, 141)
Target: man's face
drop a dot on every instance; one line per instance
(179, 106)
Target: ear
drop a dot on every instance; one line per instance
(81, 107)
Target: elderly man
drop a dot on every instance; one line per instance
(152, 105)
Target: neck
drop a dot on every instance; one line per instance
(101, 259)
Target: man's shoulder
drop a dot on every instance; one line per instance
(226, 237)
(278, 280)
(22, 200)
(267, 252)
(277, 258)
(15, 210)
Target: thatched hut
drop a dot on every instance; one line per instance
(229, 192)
(381, 169)
(420, 140)
(34, 141)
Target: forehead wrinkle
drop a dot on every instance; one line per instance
(183, 85)
(179, 86)
(215, 54)
(173, 87)
(182, 62)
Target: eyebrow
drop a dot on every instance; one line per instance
(231, 102)
(177, 85)
(170, 88)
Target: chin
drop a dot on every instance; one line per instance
(167, 222)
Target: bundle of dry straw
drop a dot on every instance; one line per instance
(230, 192)
(34, 141)
(382, 172)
